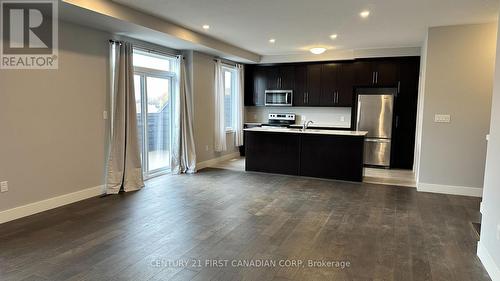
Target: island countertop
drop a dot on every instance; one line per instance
(308, 131)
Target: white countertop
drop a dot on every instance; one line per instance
(308, 131)
(321, 126)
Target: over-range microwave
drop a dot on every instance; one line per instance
(278, 97)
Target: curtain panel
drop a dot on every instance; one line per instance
(239, 105)
(220, 128)
(123, 168)
(183, 158)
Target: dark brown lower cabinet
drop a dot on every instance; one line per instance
(332, 156)
(272, 152)
(312, 155)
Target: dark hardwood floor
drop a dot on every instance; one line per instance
(385, 233)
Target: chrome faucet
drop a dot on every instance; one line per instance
(306, 124)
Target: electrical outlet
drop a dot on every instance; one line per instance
(342, 118)
(105, 115)
(206, 147)
(4, 186)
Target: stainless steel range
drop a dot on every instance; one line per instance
(280, 119)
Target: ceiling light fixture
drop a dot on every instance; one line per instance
(364, 14)
(206, 26)
(333, 36)
(272, 40)
(317, 51)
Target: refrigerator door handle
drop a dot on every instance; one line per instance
(378, 140)
(358, 113)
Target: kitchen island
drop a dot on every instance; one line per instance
(332, 154)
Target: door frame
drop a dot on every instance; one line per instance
(143, 74)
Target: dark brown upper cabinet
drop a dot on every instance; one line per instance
(313, 86)
(337, 84)
(329, 84)
(280, 77)
(376, 73)
(307, 88)
(255, 85)
(299, 91)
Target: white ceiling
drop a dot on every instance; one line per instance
(298, 25)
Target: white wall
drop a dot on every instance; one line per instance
(458, 81)
(333, 116)
(52, 129)
(420, 109)
(489, 246)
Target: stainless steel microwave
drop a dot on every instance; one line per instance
(279, 97)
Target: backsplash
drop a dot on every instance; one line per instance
(332, 116)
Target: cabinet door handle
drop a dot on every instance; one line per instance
(333, 97)
(399, 86)
(337, 98)
(376, 78)
(304, 97)
(397, 121)
(373, 77)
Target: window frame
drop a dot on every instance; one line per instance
(232, 70)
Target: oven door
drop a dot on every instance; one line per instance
(278, 98)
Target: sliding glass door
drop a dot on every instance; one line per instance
(153, 93)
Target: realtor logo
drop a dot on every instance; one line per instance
(29, 34)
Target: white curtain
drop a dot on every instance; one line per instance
(220, 127)
(239, 106)
(123, 169)
(183, 158)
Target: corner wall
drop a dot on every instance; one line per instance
(51, 122)
(489, 246)
(458, 81)
(201, 66)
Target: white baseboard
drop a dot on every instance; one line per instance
(47, 204)
(488, 262)
(211, 162)
(450, 189)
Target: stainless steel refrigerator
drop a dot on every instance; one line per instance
(374, 114)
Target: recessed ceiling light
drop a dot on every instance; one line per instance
(206, 26)
(317, 51)
(333, 36)
(364, 14)
(272, 40)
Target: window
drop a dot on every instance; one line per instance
(154, 85)
(229, 93)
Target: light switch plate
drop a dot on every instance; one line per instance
(498, 231)
(442, 118)
(4, 186)
(105, 115)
